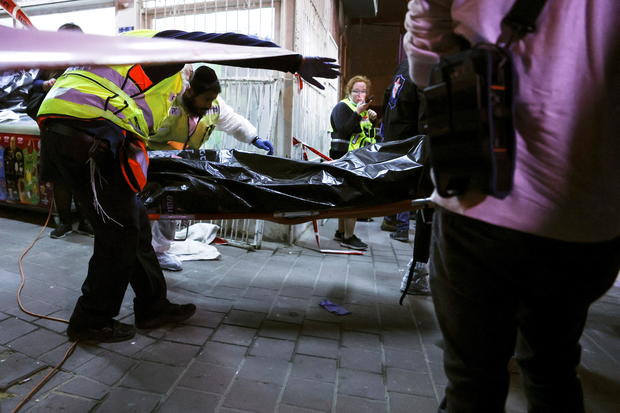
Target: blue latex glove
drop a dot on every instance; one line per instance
(315, 66)
(263, 144)
(334, 308)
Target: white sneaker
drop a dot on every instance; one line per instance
(419, 281)
(169, 261)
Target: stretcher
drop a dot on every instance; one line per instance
(377, 180)
(299, 217)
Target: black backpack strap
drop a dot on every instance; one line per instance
(520, 20)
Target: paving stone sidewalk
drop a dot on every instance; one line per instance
(259, 341)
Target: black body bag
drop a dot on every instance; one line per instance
(470, 112)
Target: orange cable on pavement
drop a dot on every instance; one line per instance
(45, 379)
(15, 11)
(22, 282)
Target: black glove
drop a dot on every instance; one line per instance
(315, 66)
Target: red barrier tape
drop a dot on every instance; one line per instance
(306, 146)
(17, 13)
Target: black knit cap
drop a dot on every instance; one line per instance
(205, 79)
(70, 27)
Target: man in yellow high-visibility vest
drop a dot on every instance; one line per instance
(91, 118)
(195, 114)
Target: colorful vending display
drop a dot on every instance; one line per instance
(13, 166)
(19, 171)
(3, 192)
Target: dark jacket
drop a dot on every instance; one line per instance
(345, 123)
(400, 111)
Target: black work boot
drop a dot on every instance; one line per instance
(111, 332)
(170, 314)
(61, 231)
(400, 235)
(388, 225)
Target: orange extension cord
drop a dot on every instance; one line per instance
(18, 14)
(22, 282)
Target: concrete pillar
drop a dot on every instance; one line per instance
(285, 32)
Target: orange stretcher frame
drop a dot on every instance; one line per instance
(298, 217)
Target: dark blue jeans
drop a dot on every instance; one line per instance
(402, 221)
(499, 292)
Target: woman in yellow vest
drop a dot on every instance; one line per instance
(89, 118)
(351, 128)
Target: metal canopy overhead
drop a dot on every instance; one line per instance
(360, 8)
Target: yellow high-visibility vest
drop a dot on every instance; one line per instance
(174, 132)
(367, 135)
(122, 94)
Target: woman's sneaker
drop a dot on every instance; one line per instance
(402, 235)
(339, 236)
(354, 243)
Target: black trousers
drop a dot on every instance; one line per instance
(122, 253)
(63, 198)
(497, 291)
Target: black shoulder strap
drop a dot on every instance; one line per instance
(521, 19)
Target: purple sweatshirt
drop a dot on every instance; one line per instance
(567, 178)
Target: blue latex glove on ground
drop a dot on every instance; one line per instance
(334, 308)
(263, 144)
(315, 66)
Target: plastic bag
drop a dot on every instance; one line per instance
(230, 181)
(14, 87)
